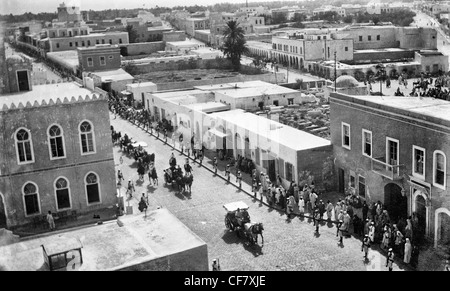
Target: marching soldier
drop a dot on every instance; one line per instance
(227, 172)
(215, 165)
(239, 179)
(365, 245)
(317, 219)
(390, 259)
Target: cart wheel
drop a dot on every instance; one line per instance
(228, 223)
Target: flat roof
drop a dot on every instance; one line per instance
(209, 107)
(382, 50)
(259, 44)
(141, 84)
(274, 131)
(182, 43)
(114, 75)
(109, 246)
(410, 106)
(45, 92)
(247, 89)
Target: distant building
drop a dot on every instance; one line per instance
(69, 13)
(99, 58)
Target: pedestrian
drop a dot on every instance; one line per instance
(301, 206)
(329, 210)
(398, 241)
(215, 265)
(366, 226)
(386, 238)
(372, 232)
(313, 197)
(130, 189)
(337, 210)
(254, 187)
(365, 210)
(215, 165)
(227, 172)
(290, 206)
(365, 245)
(316, 219)
(408, 250)
(260, 191)
(51, 220)
(120, 178)
(239, 178)
(390, 259)
(341, 231)
(143, 204)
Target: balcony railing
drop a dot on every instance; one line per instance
(386, 170)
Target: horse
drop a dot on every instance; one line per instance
(252, 232)
(180, 181)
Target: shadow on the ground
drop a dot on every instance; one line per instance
(255, 250)
(230, 237)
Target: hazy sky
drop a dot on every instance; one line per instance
(36, 6)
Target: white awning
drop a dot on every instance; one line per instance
(217, 133)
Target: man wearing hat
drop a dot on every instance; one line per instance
(239, 178)
(365, 245)
(215, 265)
(341, 229)
(227, 172)
(390, 259)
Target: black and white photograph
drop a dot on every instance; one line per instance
(239, 136)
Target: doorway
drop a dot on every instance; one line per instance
(395, 202)
(2, 213)
(271, 171)
(421, 212)
(22, 80)
(341, 180)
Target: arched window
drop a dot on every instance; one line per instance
(31, 199)
(87, 138)
(56, 142)
(62, 193)
(24, 146)
(439, 169)
(92, 188)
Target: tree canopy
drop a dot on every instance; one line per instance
(234, 44)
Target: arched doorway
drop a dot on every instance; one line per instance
(421, 212)
(3, 223)
(301, 63)
(229, 143)
(395, 202)
(238, 144)
(442, 228)
(247, 151)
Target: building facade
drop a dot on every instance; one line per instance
(99, 58)
(395, 151)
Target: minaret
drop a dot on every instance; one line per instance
(246, 3)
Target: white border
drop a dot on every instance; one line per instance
(17, 148)
(99, 188)
(23, 199)
(56, 197)
(93, 138)
(434, 170)
(417, 175)
(50, 146)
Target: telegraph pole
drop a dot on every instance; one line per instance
(335, 70)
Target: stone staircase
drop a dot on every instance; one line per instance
(7, 237)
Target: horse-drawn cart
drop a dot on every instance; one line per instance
(237, 219)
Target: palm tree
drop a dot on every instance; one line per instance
(234, 43)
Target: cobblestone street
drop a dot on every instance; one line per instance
(288, 244)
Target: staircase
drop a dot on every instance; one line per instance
(7, 237)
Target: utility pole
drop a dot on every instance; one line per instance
(335, 70)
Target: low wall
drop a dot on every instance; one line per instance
(193, 63)
(270, 78)
(134, 49)
(378, 56)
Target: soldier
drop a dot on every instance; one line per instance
(227, 172)
(215, 165)
(187, 167)
(130, 189)
(390, 259)
(365, 245)
(340, 231)
(215, 265)
(316, 219)
(239, 178)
